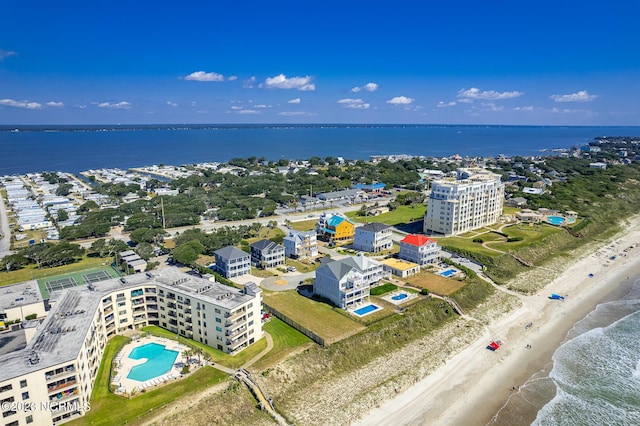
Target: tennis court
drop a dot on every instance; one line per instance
(94, 277)
(74, 279)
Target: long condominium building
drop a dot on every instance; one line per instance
(473, 199)
(48, 379)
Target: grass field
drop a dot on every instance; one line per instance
(434, 283)
(401, 215)
(304, 225)
(285, 340)
(466, 244)
(32, 272)
(318, 317)
(530, 234)
(109, 409)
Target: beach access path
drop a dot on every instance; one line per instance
(475, 383)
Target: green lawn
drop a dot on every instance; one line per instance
(531, 234)
(109, 409)
(318, 317)
(304, 225)
(32, 272)
(401, 215)
(285, 340)
(467, 244)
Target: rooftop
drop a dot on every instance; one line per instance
(417, 240)
(22, 294)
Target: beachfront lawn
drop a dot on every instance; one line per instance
(467, 244)
(109, 409)
(434, 283)
(382, 289)
(285, 340)
(318, 317)
(32, 272)
(530, 234)
(218, 357)
(401, 215)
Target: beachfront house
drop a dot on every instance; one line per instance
(419, 249)
(267, 254)
(300, 244)
(346, 282)
(232, 262)
(373, 238)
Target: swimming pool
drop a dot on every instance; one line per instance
(448, 272)
(159, 361)
(366, 310)
(399, 296)
(556, 220)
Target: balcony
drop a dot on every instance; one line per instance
(236, 322)
(66, 395)
(232, 316)
(235, 343)
(53, 375)
(61, 384)
(232, 334)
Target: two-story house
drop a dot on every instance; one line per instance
(232, 262)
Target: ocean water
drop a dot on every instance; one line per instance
(73, 149)
(595, 375)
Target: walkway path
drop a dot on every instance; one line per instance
(261, 354)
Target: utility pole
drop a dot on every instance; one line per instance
(162, 207)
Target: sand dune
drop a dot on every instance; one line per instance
(475, 383)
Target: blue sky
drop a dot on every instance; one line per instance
(463, 62)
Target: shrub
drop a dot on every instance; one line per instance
(514, 239)
(424, 292)
(31, 316)
(478, 240)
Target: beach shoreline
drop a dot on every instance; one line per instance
(473, 385)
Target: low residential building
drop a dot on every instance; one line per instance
(335, 227)
(529, 216)
(373, 238)
(132, 262)
(300, 244)
(232, 262)
(18, 301)
(55, 367)
(399, 267)
(419, 249)
(346, 282)
(267, 254)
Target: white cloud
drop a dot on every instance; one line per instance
(262, 106)
(250, 83)
(581, 96)
(474, 93)
(119, 105)
(204, 76)
(369, 87)
(6, 54)
(249, 111)
(172, 104)
(294, 101)
(446, 104)
(282, 82)
(232, 78)
(54, 104)
(20, 104)
(80, 106)
(290, 113)
(354, 103)
(490, 106)
(236, 107)
(400, 100)
(524, 108)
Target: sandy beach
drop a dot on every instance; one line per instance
(475, 383)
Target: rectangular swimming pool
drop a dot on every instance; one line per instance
(448, 272)
(366, 310)
(159, 361)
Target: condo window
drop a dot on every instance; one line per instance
(23, 383)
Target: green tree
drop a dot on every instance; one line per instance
(188, 253)
(62, 215)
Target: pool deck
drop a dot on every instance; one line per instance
(389, 297)
(125, 364)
